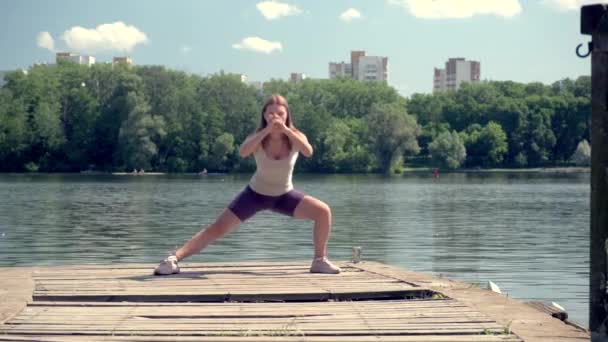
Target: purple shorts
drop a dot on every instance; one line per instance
(248, 202)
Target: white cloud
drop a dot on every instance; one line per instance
(106, 37)
(350, 14)
(566, 5)
(458, 9)
(272, 10)
(258, 44)
(185, 49)
(46, 41)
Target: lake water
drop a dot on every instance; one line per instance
(527, 232)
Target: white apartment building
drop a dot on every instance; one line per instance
(340, 70)
(457, 71)
(74, 58)
(439, 80)
(125, 60)
(296, 77)
(361, 67)
(372, 68)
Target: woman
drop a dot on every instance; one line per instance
(275, 145)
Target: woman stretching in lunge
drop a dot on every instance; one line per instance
(275, 146)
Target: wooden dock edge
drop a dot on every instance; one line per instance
(16, 289)
(528, 323)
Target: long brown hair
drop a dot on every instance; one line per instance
(276, 99)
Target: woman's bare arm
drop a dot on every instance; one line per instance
(299, 139)
(253, 141)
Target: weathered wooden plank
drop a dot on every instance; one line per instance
(253, 338)
(223, 295)
(273, 330)
(472, 316)
(207, 310)
(329, 324)
(432, 303)
(249, 320)
(157, 287)
(294, 312)
(240, 264)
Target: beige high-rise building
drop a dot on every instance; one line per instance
(361, 67)
(457, 71)
(355, 56)
(122, 60)
(74, 58)
(372, 68)
(296, 77)
(340, 69)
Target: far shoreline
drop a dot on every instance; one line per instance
(556, 169)
(407, 170)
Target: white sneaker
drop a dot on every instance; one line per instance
(167, 266)
(323, 265)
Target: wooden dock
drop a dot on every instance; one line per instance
(260, 301)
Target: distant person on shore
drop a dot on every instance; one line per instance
(203, 173)
(436, 173)
(275, 146)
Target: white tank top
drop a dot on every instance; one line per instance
(273, 177)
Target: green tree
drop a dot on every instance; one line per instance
(139, 134)
(13, 132)
(485, 146)
(125, 88)
(392, 132)
(429, 132)
(448, 150)
(539, 136)
(582, 155)
(38, 91)
(221, 152)
(80, 114)
(493, 141)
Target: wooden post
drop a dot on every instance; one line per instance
(594, 21)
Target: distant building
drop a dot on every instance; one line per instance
(457, 71)
(243, 78)
(355, 56)
(439, 80)
(74, 58)
(372, 68)
(340, 70)
(122, 60)
(361, 67)
(296, 77)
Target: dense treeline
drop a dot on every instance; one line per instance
(67, 117)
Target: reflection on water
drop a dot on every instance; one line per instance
(526, 232)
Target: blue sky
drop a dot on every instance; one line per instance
(519, 40)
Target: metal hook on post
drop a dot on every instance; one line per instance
(589, 50)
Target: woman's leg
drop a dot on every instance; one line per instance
(318, 211)
(223, 225)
